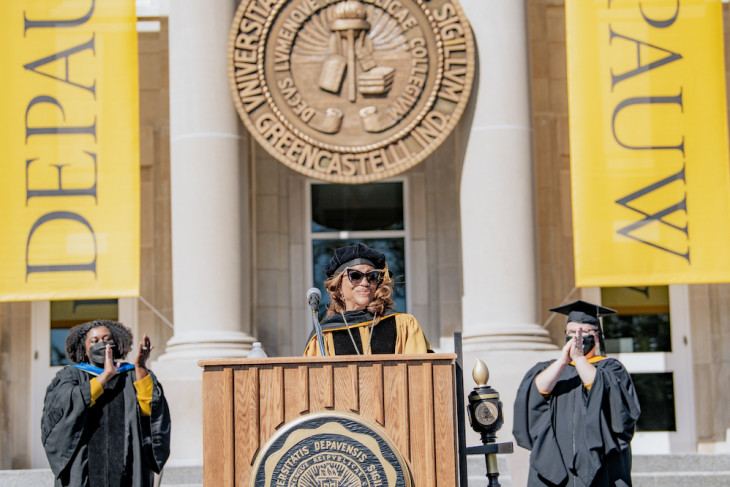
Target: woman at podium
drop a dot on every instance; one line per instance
(360, 318)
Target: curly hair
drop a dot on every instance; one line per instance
(381, 299)
(76, 339)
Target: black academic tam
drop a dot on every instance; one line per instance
(583, 312)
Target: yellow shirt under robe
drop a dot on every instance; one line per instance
(144, 393)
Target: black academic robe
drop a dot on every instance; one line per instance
(394, 333)
(578, 437)
(109, 443)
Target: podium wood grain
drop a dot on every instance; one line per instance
(218, 423)
(411, 397)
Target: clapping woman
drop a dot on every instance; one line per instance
(105, 422)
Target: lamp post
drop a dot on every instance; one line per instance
(485, 417)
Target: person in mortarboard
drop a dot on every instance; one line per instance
(577, 414)
(105, 422)
(361, 319)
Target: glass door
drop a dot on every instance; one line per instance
(650, 336)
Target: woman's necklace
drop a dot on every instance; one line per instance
(370, 338)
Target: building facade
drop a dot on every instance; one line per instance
(480, 232)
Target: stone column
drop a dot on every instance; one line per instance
(498, 216)
(205, 179)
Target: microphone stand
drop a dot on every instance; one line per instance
(318, 330)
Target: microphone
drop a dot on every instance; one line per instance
(313, 297)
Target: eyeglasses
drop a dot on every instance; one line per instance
(355, 276)
(585, 332)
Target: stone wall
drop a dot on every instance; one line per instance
(551, 146)
(15, 357)
(710, 310)
(156, 255)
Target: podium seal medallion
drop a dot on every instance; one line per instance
(350, 91)
(330, 450)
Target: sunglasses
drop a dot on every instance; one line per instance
(355, 276)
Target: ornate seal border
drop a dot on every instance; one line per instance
(330, 444)
(389, 126)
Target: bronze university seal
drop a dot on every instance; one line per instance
(330, 450)
(350, 91)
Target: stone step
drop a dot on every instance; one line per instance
(182, 476)
(680, 470)
(172, 476)
(681, 479)
(26, 478)
(685, 462)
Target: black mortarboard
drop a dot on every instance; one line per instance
(353, 255)
(582, 312)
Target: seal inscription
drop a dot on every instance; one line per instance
(330, 450)
(350, 91)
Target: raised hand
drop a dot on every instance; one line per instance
(143, 354)
(586, 370)
(566, 352)
(110, 368)
(577, 350)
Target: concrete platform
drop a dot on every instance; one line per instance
(192, 476)
(173, 476)
(693, 469)
(682, 470)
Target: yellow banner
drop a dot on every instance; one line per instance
(649, 142)
(69, 132)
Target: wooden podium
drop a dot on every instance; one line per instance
(411, 397)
